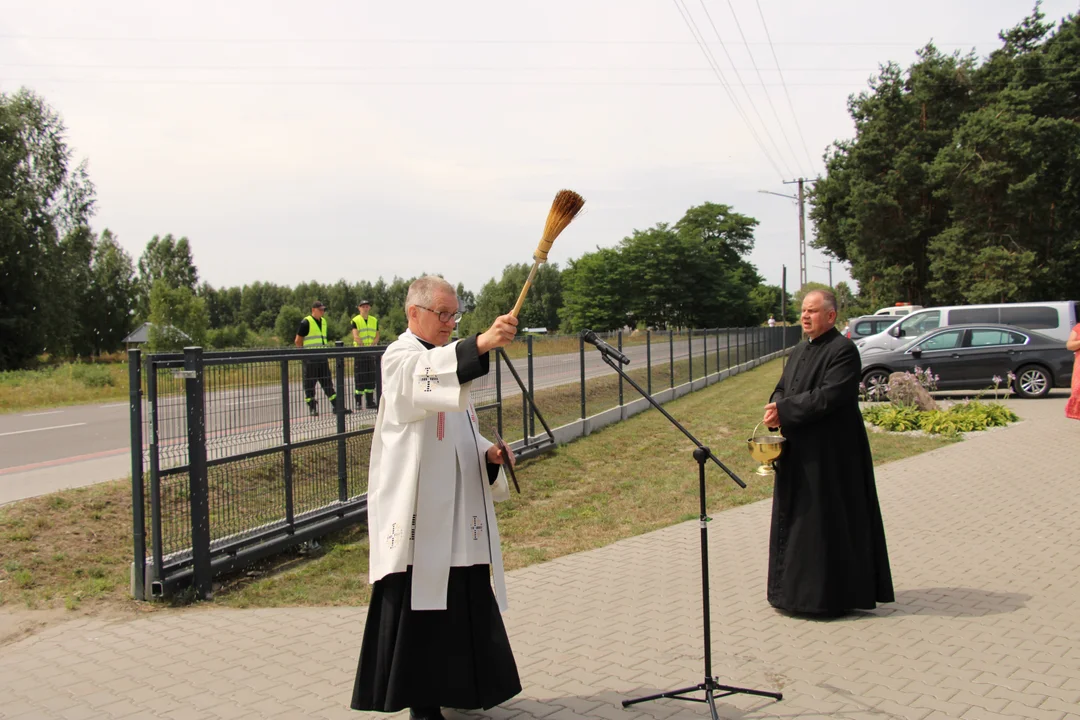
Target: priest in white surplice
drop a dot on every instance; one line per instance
(434, 636)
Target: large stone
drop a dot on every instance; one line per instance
(905, 389)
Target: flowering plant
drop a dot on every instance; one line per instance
(1009, 377)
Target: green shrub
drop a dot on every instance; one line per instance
(963, 417)
(92, 376)
(229, 337)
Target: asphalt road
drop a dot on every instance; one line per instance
(47, 450)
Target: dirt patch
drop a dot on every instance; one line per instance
(19, 623)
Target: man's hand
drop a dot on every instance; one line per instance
(772, 416)
(495, 455)
(500, 334)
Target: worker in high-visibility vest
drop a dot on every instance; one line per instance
(365, 332)
(312, 335)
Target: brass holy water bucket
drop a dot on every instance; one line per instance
(765, 449)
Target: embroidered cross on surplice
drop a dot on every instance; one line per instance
(392, 538)
(477, 527)
(427, 379)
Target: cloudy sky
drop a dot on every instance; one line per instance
(322, 140)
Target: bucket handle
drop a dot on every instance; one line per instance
(754, 434)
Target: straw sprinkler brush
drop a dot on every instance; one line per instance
(566, 206)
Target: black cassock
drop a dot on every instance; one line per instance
(827, 550)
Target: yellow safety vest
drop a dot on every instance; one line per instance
(366, 330)
(316, 333)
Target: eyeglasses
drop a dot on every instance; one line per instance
(444, 317)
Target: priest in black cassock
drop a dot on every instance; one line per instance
(827, 553)
(434, 636)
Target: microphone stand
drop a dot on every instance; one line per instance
(711, 686)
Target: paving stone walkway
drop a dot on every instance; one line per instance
(983, 536)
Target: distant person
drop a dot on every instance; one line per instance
(434, 636)
(772, 321)
(827, 552)
(365, 333)
(312, 334)
(1072, 408)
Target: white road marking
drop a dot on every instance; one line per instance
(51, 412)
(54, 427)
(115, 405)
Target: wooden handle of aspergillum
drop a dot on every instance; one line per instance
(525, 290)
(521, 299)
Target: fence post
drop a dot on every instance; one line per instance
(286, 441)
(527, 406)
(581, 353)
(738, 343)
(705, 353)
(525, 400)
(155, 471)
(717, 351)
(339, 412)
(376, 360)
(690, 354)
(199, 492)
(138, 501)
(671, 356)
(648, 360)
(619, 339)
(498, 392)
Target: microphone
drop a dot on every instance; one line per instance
(590, 337)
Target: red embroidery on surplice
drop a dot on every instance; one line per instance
(440, 426)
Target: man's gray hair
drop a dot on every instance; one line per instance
(828, 298)
(423, 291)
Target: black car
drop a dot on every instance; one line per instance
(968, 357)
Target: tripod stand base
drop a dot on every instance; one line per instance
(712, 690)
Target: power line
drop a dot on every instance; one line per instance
(753, 105)
(696, 34)
(791, 105)
(510, 83)
(481, 68)
(453, 41)
(477, 83)
(768, 97)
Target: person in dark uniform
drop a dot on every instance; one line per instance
(827, 552)
(312, 334)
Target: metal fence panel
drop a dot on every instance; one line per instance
(230, 463)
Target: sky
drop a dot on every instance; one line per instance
(295, 141)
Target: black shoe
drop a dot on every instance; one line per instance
(313, 409)
(425, 714)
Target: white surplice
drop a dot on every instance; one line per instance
(429, 500)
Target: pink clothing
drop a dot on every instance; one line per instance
(1072, 408)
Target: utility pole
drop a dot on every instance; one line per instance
(802, 231)
(801, 199)
(783, 316)
(802, 237)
